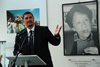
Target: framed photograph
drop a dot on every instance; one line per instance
(80, 32)
(14, 19)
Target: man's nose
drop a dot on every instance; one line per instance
(28, 19)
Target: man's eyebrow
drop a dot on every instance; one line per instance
(26, 17)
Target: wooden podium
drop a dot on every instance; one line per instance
(27, 60)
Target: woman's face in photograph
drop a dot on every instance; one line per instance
(81, 24)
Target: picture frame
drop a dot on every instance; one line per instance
(80, 32)
(38, 4)
(15, 19)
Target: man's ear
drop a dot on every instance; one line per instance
(33, 18)
(23, 21)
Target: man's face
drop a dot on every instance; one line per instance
(81, 24)
(28, 20)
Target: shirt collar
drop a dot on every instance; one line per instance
(76, 37)
(28, 30)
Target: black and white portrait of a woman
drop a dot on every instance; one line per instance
(80, 29)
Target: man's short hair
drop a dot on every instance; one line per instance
(27, 13)
(78, 8)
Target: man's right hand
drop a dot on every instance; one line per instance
(20, 54)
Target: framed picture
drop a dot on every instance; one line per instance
(80, 32)
(38, 9)
(14, 19)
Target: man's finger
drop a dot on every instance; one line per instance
(56, 27)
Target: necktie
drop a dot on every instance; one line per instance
(31, 44)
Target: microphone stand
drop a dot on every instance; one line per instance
(13, 62)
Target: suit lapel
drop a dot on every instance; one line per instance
(35, 34)
(25, 36)
(37, 37)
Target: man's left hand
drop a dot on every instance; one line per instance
(58, 29)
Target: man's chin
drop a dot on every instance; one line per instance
(30, 25)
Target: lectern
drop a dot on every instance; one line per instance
(27, 60)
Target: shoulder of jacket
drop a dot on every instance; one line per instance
(21, 32)
(42, 27)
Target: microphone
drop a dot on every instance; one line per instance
(20, 47)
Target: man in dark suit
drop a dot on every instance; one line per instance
(41, 37)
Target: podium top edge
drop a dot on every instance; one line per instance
(24, 56)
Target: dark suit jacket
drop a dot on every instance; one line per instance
(42, 36)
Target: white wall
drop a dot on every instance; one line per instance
(54, 17)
